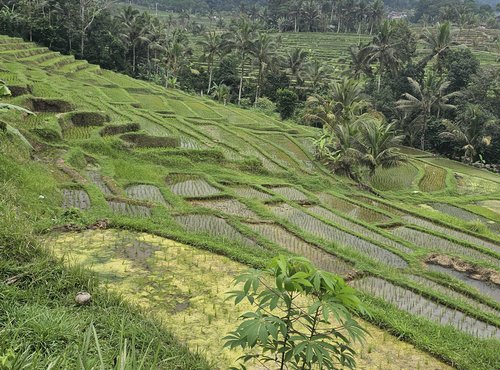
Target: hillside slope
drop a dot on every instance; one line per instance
(244, 185)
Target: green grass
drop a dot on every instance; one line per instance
(238, 150)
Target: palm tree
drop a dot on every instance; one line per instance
(384, 51)
(427, 99)
(359, 64)
(265, 52)
(211, 45)
(437, 43)
(376, 14)
(343, 103)
(221, 92)
(469, 131)
(241, 39)
(295, 62)
(176, 54)
(317, 74)
(379, 141)
(135, 31)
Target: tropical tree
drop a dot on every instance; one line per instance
(177, 53)
(437, 42)
(469, 131)
(425, 100)
(241, 40)
(379, 141)
(317, 74)
(295, 63)
(212, 46)
(376, 14)
(134, 31)
(264, 50)
(359, 64)
(383, 50)
(291, 326)
(221, 92)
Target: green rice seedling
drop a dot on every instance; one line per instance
(464, 169)
(294, 244)
(465, 215)
(77, 132)
(213, 226)
(127, 209)
(73, 198)
(289, 193)
(228, 206)
(189, 143)
(437, 244)
(145, 192)
(321, 230)
(352, 210)
(98, 181)
(491, 204)
(415, 304)
(451, 232)
(467, 185)
(429, 284)
(190, 186)
(487, 288)
(382, 206)
(351, 226)
(181, 109)
(434, 179)
(251, 193)
(397, 178)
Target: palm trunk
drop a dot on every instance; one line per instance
(210, 74)
(241, 82)
(257, 92)
(133, 59)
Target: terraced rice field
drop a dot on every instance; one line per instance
(415, 304)
(437, 244)
(353, 210)
(73, 198)
(323, 231)
(397, 178)
(228, 206)
(452, 232)
(248, 192)
(489, 289)
(289, 241)
(145, 192)
(465, 215)
(429, 284)
(127, 209)
(214, 226)
(193, 188)
(434, 179)
(351, 226)
(289, 193)
(492, 205)
(98, 181)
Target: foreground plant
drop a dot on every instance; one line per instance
(302, 317)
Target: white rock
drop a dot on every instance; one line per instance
(83, 298)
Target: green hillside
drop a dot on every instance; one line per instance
(235, 183)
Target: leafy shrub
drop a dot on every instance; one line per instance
(286, 103)
(147, 141)
(120, 129)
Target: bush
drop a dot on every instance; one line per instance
(146, 141)
(120, 129)
(266, 105)
(286, 103)
(88, 118)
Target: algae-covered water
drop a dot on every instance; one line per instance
(185, 288)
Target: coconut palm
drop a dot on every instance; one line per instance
(469, 131)
(241, 39)
(134, 31)
(221, 92)
(264, 50)
(425, 100)
(342, 104)
(383, 50)
(295, 62)
(379, 141)
(359, 65)
(211, 45)
(437, 43)
(317, 73)
(376, 14)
